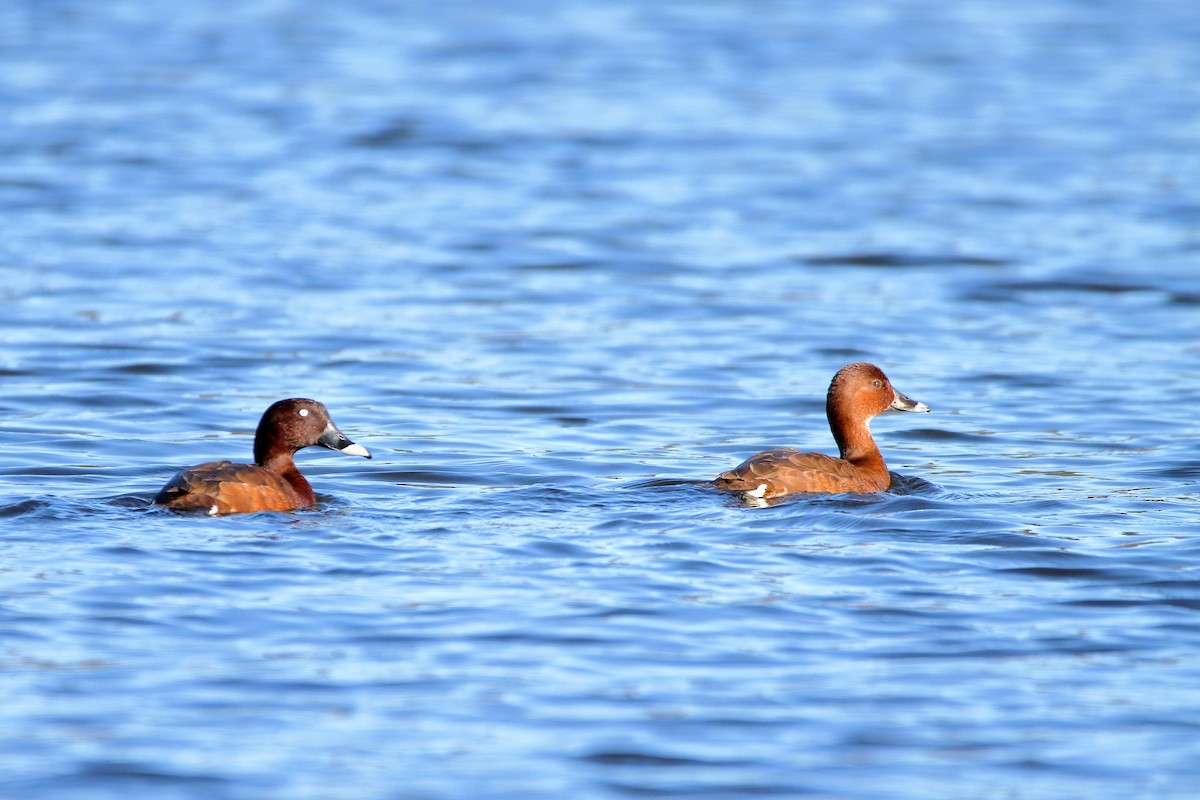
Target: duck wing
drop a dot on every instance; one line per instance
(222, 487)
(773, 473)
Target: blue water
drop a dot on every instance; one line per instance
(553, 263)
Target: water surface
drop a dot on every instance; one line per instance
(553, 264)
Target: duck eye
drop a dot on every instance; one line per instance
(304, 412)
(878, 384)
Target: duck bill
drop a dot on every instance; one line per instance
(336, 440)
(902, 402)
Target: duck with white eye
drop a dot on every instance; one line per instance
(272, 482)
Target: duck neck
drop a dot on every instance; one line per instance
(853, 437)
(266, 444)
(283, 464)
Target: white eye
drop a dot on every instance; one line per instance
(304, 412)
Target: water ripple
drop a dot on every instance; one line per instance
(556, 265)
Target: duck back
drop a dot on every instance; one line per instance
(783, 471)
(222, 487)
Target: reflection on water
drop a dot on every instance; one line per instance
(554, 266)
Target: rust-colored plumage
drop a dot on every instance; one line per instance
(272, 483)
(857, 393)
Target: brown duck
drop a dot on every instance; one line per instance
(272, 482)
(857, 393)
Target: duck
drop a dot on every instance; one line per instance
(858, 393)
(272, 482)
